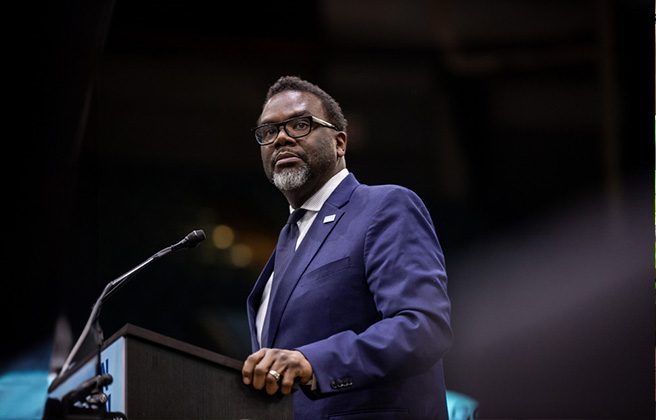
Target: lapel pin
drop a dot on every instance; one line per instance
(329, 219)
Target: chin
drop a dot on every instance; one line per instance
(289, 179)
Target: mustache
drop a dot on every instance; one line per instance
(274, 157)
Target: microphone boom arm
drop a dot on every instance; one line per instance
(190, 241)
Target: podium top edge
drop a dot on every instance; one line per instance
(130, 330)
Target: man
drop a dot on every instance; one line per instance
(359, 313)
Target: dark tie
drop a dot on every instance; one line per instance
(284, 252)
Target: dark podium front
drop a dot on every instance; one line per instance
(158, 377)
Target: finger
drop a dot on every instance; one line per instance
(261, 370)
(302, 368)
(287, 382)
(298, 369)
(248, 369)
(272, 383)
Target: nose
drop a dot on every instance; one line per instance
(283, 138)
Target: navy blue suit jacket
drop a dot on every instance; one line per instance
(365, 300)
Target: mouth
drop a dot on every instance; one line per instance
(285, 158)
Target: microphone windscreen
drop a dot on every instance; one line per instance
(195, 237)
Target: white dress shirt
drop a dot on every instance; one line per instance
(312, 207)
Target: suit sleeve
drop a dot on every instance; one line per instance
(405, 272)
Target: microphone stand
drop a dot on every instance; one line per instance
(189, 241)
(94, 318)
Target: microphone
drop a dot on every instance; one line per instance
(189, 241)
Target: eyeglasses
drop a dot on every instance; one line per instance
(294, 127)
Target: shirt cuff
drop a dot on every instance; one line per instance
(312, 383)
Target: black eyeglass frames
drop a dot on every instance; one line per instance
(294, 127)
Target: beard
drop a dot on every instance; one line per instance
(291, 179)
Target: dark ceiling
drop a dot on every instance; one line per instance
(513, 121)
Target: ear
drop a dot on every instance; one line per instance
(340, 143)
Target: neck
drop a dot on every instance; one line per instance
(300, 195)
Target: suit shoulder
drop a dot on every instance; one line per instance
(391, 199)
(387, 191)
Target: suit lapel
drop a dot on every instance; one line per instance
(330, 212)
(254, 299)
(297, 266)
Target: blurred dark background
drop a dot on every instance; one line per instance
(515, 121)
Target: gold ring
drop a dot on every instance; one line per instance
(274, 374)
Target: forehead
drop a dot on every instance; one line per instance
(289, 104)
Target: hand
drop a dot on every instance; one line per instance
(290, 364)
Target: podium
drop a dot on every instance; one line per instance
(158, 377)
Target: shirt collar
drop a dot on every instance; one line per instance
(317, 200)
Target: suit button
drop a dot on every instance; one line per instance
(341, 383)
